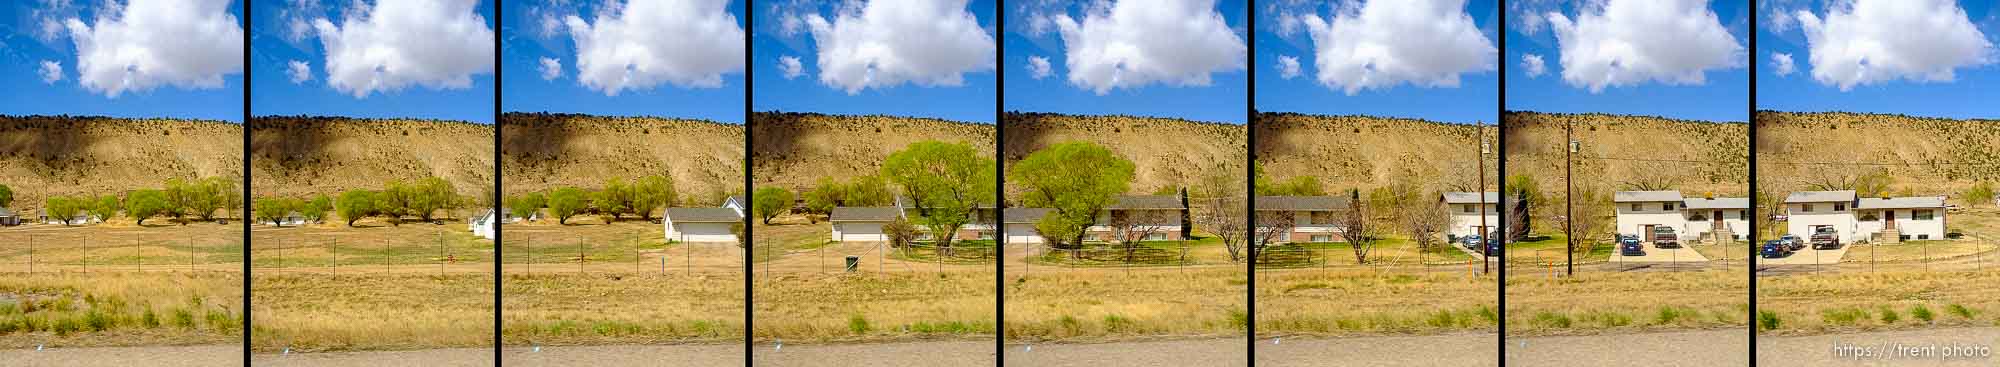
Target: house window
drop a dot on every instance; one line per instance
(1805, 208)
(1921, 214)
(1322, 238)
(985, 235)
(1839, 207)
(1923, 237)
(1156, 237)
(1667, 206)
(1635, 207)
(1743, 214)
(1466, 208)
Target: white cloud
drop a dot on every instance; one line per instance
(1781, 63)
(51, 71)
(299, 71)
(1288, 67)
(1628, 42)
(791, 66)
(1038, 67)
(551, 68)
(47, 18)
(438, 44)
(645, 43)
(296, 19)
(148, 43)
(889, 42)
(1131, 44)
(1382, 44)
(1532, 64)
(1872, 41)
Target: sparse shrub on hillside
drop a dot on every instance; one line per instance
(770, 202)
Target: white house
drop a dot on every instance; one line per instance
(1467, 208)
(701, 224)
(862, 223)
(735, 202)
(291, 219)
(1708, 215)
(1641, 211)
(1807, 211)
(1893, 219)
(1020, 224)
(1312, 217)
(483, 223)
(9, 218)
(1163, 211)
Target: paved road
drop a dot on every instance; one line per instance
(466, 357)
(164, 356)
(1679, 348)
(1825, 350)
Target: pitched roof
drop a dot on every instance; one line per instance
(1717, 203)
(1466, 197)
(703, 215)
(1645, 196)
(475, 214)
(1819, 196)
(735, 198)
(864, 214)
(1147, 202)
(1300, 203)
(1912, 202)
(4, 212)
(1025, 215)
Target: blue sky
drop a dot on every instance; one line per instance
(1667, 90)
(456, 83)
(952, 80)
(1968, 93)
(204, 90)
(1224, 98)
(1475, 99)
(525, 43)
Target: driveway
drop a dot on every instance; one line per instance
(1658, 255)
(1807, 256)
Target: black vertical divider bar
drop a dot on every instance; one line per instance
(1250, 185)
(243, 216)
(748, 240)
(1500, 190)
(1749, 259)
(1000, 187)
(494, 201)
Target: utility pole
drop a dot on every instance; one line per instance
(1485, 258)
(1569, 208)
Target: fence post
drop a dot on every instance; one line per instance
(333, 249)
(138, 255)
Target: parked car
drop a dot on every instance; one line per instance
(1825, 238)
(1493, 247)
(1793, 242)
(1775, 249)
(1664, 237)
(1630, 246)
(1470, 242)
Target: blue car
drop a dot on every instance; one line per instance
(1775, 249)
(1470, 242)
(1493, 247)
(1630, 246)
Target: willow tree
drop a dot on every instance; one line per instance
(1076, 180)
(946, 182)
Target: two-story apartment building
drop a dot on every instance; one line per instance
(1807, 211)
(1312, 218)
(1728, 217)
(1883, 219)
(1160, 214)
(1467, 208)
(1639, 212)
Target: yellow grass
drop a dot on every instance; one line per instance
(119, 309)
(1853, 300)
(311, 312)
(1596, 302)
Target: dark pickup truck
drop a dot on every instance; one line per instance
(1825, 238)
(1664, 237)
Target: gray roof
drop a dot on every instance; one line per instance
(1466, 197)
(864, 214)
(1026, 215)
(4, 212)
(1819, 196)
(1902, 202)
(1147, 202)
(1300, 203)
(1645, 196)
(736, 198)
(1717, 203)
(703, 215)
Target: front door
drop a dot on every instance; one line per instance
(1718, 219)
(1646, 233)
(1889, 220)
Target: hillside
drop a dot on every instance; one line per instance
(1630, 152)
(543, 151)
(1926, 156)
(297, 156)
(1167, 152)
(793, 150)
(64, 155)
(1368, 152)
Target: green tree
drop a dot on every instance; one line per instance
(869, 190)
(394, 201)
(1075, 179)
(565, 203)
(105, 207)
(430, 195)
(1979, 194)
(825, 195)
(315, 209)
(770, 202)
(180, 197)
(946, 182)
(228, 195)
(525, 205)
(651, 193)
(144, 204)
(6, 196)
(268, 209)
(62, 208)
(614, 199)
(356, 204)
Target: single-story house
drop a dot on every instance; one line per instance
(1020, 224)
(1641, 211)
(1706, 215)
(862, 223)
(79, 218)
(1807, 211)
(483, 223)
(1893, 219)
(701, 224)
(1313, 217)
(1163, 211)
(1467, 209)
(9, 218)
(979, 225)
(291, 219)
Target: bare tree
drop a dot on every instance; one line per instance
(1271, 225)
(1425, 221)
(899, 232)
(1219, 210)
(1591, 222)
(1131, 227)
(1352, 225)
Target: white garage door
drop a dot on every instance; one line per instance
(861, 232)
(1022, 233)
(706, 232)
